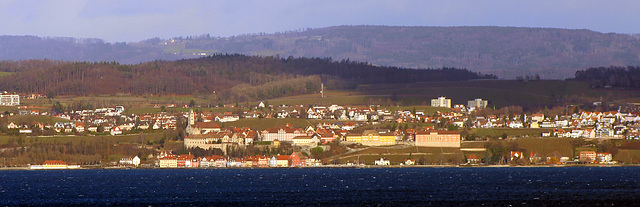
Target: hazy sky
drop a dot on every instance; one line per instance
(135, 20)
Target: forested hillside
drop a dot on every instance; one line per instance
(508, 52)
(505, 51)
(617, 77)
(72, 49)
(231, 77)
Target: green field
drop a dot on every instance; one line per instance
(498, 132)
(63, 139)
(2, 74)
(531, 95)
(30, 119)
(180, 48)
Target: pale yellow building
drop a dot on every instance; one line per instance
(304, 140)
(372, 138)
(168, 162)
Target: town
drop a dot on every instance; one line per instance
(339, 135)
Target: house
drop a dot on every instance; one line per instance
(79, 126)
(472, 159)
(217, 161)
(12, 125)
(168, 162)
(409, 162)
(382, 161)
(135, 161)
(296, 159)
(604, 157)
(282, 161)
(515, 124)
(115, 131)
(587, 156)
(273, 161)
(537, 118)
(516, 155)
(204, 162)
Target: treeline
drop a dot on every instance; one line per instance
(614, 76)
(238, 76)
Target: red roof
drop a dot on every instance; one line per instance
(283, 157)
(54, 162)
(438, 132)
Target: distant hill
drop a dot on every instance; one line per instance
(507, 52)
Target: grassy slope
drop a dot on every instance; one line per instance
(136, 138)
(29, 119)
(498, 92)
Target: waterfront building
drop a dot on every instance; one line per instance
(587, 156)
(438, 138)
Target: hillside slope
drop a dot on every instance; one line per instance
(507, 52)
(230, 77)
(504, 51)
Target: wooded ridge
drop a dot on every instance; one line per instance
(504, 51)
(232, 77)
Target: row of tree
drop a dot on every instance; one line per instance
(237, 76)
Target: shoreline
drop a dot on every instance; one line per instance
(326, 166)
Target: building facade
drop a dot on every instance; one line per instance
(441, 102)
(437, 138)
(477, 103)
(372, 138)
(9, 100)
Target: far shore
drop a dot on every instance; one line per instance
(334, 166)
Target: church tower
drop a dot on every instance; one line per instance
(192, 119)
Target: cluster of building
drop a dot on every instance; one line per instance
(612, 124)
(296, 159)
(53, 165)
(208, 135)
(585, 157)
(471, 104)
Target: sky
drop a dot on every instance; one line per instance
(136, 20)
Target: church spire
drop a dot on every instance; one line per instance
(192, 119)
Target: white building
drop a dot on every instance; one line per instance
(9, 100)
(135, 161)
(477, 103)
(381, 162)
(441, 102)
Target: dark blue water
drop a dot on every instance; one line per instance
(333, 187)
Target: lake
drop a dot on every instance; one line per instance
(325, 186)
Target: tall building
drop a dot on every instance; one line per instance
(9, 100)
(477, 103)
(441, 102)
